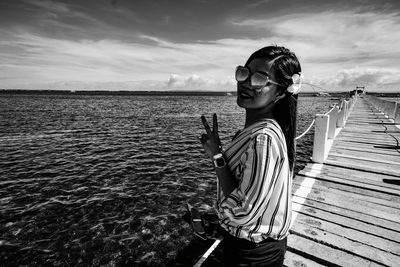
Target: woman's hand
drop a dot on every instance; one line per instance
(210, 140)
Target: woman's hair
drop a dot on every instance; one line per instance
(285, 64)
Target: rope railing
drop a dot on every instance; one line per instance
(333, 107)
(306, 131)
(327, 126)
(312, 123)
(338, 115)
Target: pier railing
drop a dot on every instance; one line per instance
(328, 126)
(390, 108)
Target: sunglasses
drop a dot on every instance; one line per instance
(257, 79)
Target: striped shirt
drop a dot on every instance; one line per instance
(260, 207)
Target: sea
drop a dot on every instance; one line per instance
(103, 180)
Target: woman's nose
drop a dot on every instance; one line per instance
(245, 83)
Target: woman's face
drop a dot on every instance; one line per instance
(251, 98)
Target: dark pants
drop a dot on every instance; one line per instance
(241, 252)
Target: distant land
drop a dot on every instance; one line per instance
(105, 92)
(160, 93)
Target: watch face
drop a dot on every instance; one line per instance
(220, 162)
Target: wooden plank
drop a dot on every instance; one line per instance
(374, 140)
(340, 215)
(381, 169)
(361, 115)
(377, 188)
(356, 180)
(381, 149)
(351, 203)
(360, 193)
(376, 129)
(344, 194)
(345, 244)
(347, 149)
(365, 134)
(324, 254)
(364, 129)
(390, 150)
(372, 129)
(387, 130)
(354, 141)
(365, 121)
(371, 122)
(360, 174)
(378, 150)
(393, 161)
(366, 141)
(349, 233)
(360, 127)
(295, 260)
(384, 147)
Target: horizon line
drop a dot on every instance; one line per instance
(169, 91)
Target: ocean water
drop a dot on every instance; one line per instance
(103, 180)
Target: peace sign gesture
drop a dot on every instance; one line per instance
(210, 140)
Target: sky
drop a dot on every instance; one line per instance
(195, 44)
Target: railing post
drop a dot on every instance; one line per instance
(397, 113)
(341, 115)
(385, 107)
(333, 115)
(320, 138)
(391, 109)
(346, 111)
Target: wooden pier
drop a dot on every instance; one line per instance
(346, 201)
(347, 210)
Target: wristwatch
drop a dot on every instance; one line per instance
(219, 160)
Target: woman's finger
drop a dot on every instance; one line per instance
(206, 126)
(215, 123)
(203, 138)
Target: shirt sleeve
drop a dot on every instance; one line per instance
(261, 165)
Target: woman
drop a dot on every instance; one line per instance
(255, 171)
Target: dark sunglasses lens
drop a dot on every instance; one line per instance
(241, 74)
(259, 80)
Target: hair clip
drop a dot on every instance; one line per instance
(294, 88)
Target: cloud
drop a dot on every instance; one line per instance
(331, 40)
(338, 49)
(192, 81)
(51, 6)
(195, 82)
(49, 59)
(56, 9)
(373, 78)
(367, 76)
(171, 66)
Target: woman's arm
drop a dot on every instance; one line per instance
(212, 146)
(260, 188)
(226, 180)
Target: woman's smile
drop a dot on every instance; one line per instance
(244, 94)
